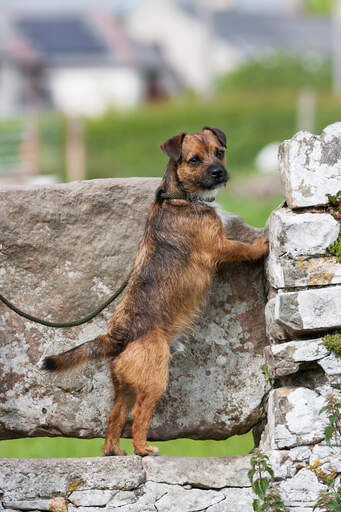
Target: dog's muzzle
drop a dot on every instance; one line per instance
(215, 175)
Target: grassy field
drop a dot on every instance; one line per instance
(64, 447)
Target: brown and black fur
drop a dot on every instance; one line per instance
(183, 243)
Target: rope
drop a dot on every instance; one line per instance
(92, 315)
(65, 324)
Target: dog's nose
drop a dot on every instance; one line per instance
(218, 173)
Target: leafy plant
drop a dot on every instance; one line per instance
(330, 500)
(335, 200)
(335, 248)
(260, 476)
(334, 416)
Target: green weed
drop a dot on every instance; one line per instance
(260, 476)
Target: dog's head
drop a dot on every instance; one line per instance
(197, 162)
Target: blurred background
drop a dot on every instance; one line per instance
(90, 89)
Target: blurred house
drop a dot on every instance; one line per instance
(78, 62)
(201, 40)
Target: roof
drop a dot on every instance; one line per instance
(55, 36)
(252, 33)
(59, 39)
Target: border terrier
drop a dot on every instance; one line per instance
(183, 242)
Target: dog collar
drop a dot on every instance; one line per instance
(195, 199)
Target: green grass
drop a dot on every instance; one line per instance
(69, 447)
(254, 212)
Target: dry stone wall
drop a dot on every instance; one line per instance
(304, 303)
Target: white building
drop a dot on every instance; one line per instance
(78, 62)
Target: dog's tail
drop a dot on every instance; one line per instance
(102, 347)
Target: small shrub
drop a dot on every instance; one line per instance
(260, 476)
(278, 71)
(333, 342)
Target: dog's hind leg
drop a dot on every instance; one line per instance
(144, 367)
(142, 415)
(124, 402)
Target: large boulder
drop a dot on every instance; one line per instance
(64, 250)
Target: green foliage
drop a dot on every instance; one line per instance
(122, 145)
(319, 6)
(333, 342)
(329, 500)
(335, 248)
(278, 71)
(260, 476)
(335, 200)
(334, 416)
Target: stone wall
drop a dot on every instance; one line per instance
(304, 303)
(86, 227)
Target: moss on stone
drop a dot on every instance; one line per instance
(335, 201)
(333, 342)
(335, 248)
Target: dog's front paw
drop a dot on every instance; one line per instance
(260, 247)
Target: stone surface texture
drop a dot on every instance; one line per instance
(299, 249)
(310, 310)
(294, 417)
(63, 250)
(310, 166)
(290, 357)
(132, 484)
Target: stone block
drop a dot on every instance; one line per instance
(310, 167)
(175, 497)
(327, 456)
(26, 479)
(93, 498)
(213, 472)
(64, 250)
(287, 358)
(294, 419)
(298, 246)
(309, 310)
(57, 504)
(274, 330)
(302, 490)
(122, 498)
(331, 365)
(236, 500)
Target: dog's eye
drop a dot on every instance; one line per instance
(220, 153)
(195, 160)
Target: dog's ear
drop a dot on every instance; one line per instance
(218, 133)
(173, 146)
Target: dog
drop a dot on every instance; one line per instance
(183, 242)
